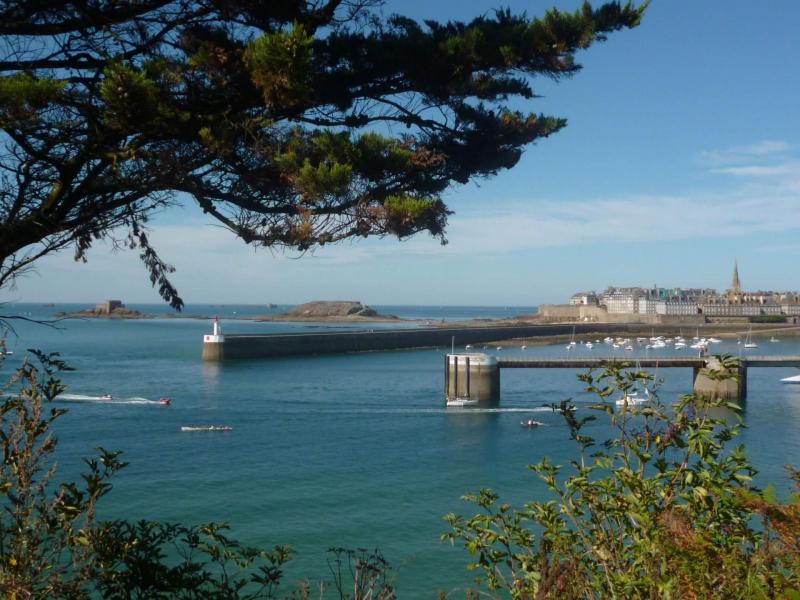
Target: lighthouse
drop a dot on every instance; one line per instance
(216, 337)
(214, 343)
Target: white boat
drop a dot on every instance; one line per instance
(206, 428)
(106, 397)
(748, 341)
(792, 379)
(572, 343)
(631, 400)
(530, 423)
(460, 402)
(524, 347)
(774, 340)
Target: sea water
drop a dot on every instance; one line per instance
(353, 451)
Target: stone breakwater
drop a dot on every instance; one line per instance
(299, 344)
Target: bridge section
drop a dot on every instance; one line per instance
(473, 376)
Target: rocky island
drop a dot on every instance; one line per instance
(331, 310)
(110, 309)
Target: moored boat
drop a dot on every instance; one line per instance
(206, 428)
(460, 402)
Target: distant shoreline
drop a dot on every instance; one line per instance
(730, 330)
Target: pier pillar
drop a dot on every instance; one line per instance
(734, 388)
(472, 375)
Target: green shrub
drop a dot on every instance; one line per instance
(768, 319)
(52, 545)
(663, 509)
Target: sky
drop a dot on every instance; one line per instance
(681, 155)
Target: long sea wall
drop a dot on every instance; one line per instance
(297, 344)
(293, 344)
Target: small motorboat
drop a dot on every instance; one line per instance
(631, 400)
(460, 402)
(774, 340)
(164, 401)
(206, 428)
(106, 397)
(792, 379)
(530, 423)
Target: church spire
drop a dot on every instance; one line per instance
(736, 287)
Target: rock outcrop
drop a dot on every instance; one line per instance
(110, 309)
(325, 309)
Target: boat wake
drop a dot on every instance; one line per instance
(102, 400)
(537, 409)
(439, 411)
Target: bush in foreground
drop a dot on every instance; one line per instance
(52, 545)
(663, 509)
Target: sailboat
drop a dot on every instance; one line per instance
(748, 341)
(632, 397)
(572, 342)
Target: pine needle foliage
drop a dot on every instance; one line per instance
(292, 124)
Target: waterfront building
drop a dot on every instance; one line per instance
(730, 310)
(621, 300)
(647, 306)
(584, 299)
(677, 308)
(687, 302)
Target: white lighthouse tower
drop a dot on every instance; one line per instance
(216, 337)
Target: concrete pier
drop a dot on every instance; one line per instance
(709, 373)
(239, 346)
(473, 375)
(217, 347)
(715, 380)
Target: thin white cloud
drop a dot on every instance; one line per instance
(764, 147)
(788, 168)
(737, 155)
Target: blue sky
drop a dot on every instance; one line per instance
(682, 152)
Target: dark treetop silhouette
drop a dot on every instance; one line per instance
(293, 123)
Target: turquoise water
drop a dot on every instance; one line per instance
(350, 450)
